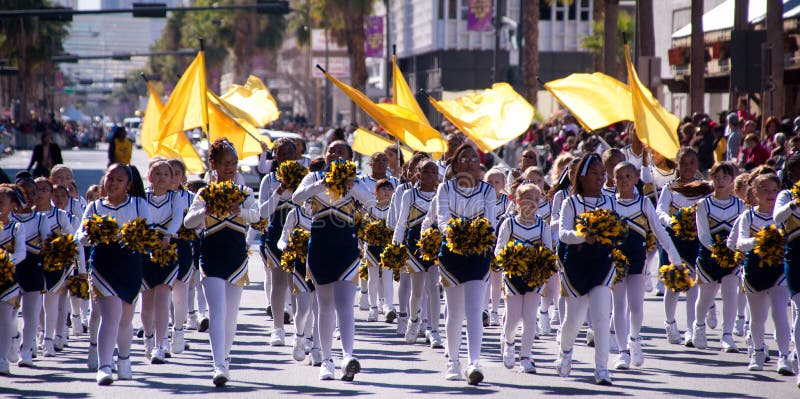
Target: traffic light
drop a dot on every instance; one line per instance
(149, 10)
(272, 7)
(65, 15)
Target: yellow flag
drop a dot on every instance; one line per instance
(398, 121)
(368, 143)
(402, 94)
(150, 123)
(187, 107)
(595, 100)
(655, 127)
(490, 118)
(255, 100)
(223, 122)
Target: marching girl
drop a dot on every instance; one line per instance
(197, 299)
(60, 198)
(639, 214)
(464, 276)
(522, 301)
(381, 282)
(741, 189)
(59, 222)
(497, 180)
(683, 192)
(424, 275)
(787, 212)
(62, 175)
(116, 274)
(587, 273)
(12, 240)
(29, 272)
(275, 204)
(224, 272)
(180, 288)
(166, 216)
(611, 157)
(556, 195)
(764, 279)
(716, 215)
(333, 231)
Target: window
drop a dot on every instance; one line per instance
(544, 11)
(452, 8)
(440, 14)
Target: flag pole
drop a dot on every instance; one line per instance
(205, 98)
(396, 139)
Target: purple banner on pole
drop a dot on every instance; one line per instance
(374, 36)
(479, 15)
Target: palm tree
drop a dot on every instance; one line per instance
(740, 23)
(530, 53)
(698, 59)
(775, 42)
(610, 65)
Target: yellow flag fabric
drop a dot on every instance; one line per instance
(223, 122)
(596, 100)
(397, 120)
(255, 101)
(150, 123)
(490, 118)
(655, 127)
(187, 106)
(402, 94)
(368, 143)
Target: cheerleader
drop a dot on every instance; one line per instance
(275, 204)
(381, 290)
(224, 272)
(521, 300)
(587, 273)
(197, 299)
(787, 212)
(453, 141)
(742, 191)
(60, 198)
(683, 192)
(116, 274)
(12, 240)
(60, 223)
(333, 231)
(423, 274)
(62, 175)
(640, 216)
(497, 180)
(180, 288)
(464, 276)
(166, 216)
(29, 272)
(611, 157)
(716, 216)
(765, 284)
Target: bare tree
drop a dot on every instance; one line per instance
(775, 43)
(530, 54)
(610, 65)
(697, 84)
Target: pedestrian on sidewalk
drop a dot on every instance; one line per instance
(44, 156)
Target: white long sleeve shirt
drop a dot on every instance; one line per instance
(13, 234)
(575, 205)
(417, 200)
(128, 210)
(749, 223)
(313, 188)
(471, 202)
(196, 217)
(669, 203)
(629, 209)
(714, 215)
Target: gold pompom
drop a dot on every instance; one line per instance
(720, 252)
(101, 229)
(290, 174)
(465, 237)
(604, 224)
(363, 271)
(296, 250)
(137, 236)
(621, 263)
(339, 174)
(164, 256)
(534, 264)
(186, 234)
(429, 243)
(770, 246)
(394, 256)
(261, 225)
(650, 240)
(795, 190)
(58, 251)
(376, 233)
(78, 287)
(676, 277)
(7, 268)
(683, 223)
(219, 196)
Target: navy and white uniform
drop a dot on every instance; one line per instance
(223, 250)
(298, 217)
(715, 220)
(639, 215)
(333, 253)
(757, 277)
(29, 273)
(275, 207)
(166, 216)
(669, 203)
(501, 208)
(453, 201)
(369, 182)
(545, 211)
(558, 201)
(585, 266)
(62, 222)
(116, 271)
(408, 228)
(183, 199)
(12, 239)
(787, 213)
(76, 207)
(396, 203)
(372, 253)
(510, 230)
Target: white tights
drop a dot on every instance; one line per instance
(94, 323)
(730, 301)
(671, 305)
(493, 291)
(281, 281)
(302, 310)
(155, 312)
(380, 287)
(404, 293)
(7, 327)
(79, 307)
(628, 297)
(335, 303)
(551, 291)
(796, 329)
(197, 298)
(524, 308)
(223, 308)
(424, 285)
(180, 304)
(116, 329)
(760, 303)
(598, 303)
(31, 310)
(465, 300)
(52, 315)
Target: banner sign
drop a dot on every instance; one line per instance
(374, 37)
(479, 15)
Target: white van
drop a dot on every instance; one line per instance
(133, 126)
